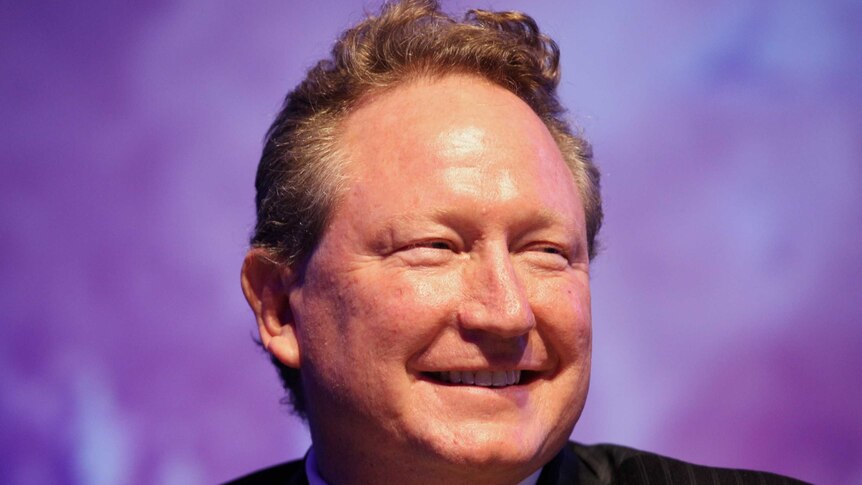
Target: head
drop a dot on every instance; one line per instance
(425, 214)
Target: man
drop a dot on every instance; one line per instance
(420, 266)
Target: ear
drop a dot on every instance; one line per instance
(266, 286)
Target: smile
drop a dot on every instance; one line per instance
(484, 378)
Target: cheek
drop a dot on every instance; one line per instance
(563, 306)
(430, 290)
(411, 308)
(381, 316)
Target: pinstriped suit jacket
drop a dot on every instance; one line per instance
(577, 464)
(612, 464)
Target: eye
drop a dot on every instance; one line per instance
(433, 252)
(548, 256)
(549, 249)
(436, 244)
(440, 245)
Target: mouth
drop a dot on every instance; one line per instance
(482, 378)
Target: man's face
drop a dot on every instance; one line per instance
(458, 252)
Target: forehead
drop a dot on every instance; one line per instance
(462, 131)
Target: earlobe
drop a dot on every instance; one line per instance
(266, 285)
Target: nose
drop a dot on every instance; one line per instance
(496, 301)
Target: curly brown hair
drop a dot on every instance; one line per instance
(299, 178)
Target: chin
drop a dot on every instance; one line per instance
(498, 446)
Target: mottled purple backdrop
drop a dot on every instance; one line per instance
(726, 301)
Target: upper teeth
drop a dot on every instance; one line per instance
(496, 378)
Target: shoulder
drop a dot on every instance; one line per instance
(605, 464)
(290, 473)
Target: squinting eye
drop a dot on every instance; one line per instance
(548, 256)
(442, 245)
(550, 250)
(439, 245)
(428, 253)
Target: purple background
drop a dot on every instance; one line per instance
(726, 302)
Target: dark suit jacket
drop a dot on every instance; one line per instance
(577, 464)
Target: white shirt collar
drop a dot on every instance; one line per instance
(314, 477)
